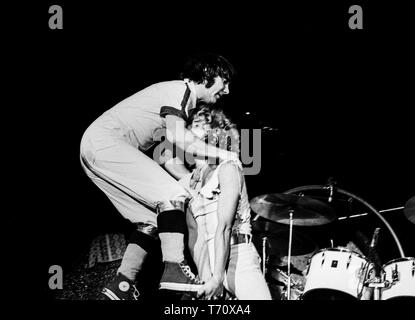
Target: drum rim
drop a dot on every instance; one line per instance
(398, 260)
(340, 249)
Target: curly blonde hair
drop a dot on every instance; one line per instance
(222, 132)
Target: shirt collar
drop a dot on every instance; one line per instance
(193, 97)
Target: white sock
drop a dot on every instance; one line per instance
(132, 261)
(172, 246)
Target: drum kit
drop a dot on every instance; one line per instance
(333, 273)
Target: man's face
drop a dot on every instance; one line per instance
(216, 91)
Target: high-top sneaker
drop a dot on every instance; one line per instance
(121, 288)
(179, 277)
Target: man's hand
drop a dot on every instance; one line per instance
(211, 290)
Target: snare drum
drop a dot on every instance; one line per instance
(336, 274)
(400, 275)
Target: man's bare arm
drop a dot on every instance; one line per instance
(177, 133)
(176, 168)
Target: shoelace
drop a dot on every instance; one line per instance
(136, 293)
(190, 274)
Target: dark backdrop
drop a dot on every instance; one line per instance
(339, 101)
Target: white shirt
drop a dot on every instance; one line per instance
(140, 117)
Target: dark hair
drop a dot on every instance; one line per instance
(223, 133)
(207, 67)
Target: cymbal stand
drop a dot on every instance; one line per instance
(264, 255)
(291, 211)
(378, 281)
(377, 284)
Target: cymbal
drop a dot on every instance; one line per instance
(409, 209)
(278, 238)
(306, 211)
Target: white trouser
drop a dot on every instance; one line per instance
(135, 184)
(244, 278)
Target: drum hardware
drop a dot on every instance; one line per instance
(295, 284)
(366, 275)
(399, 278)
(377, 284)
(264, 255)
(394, 280)
(278, 207)
(365, 279)
(366, 213)
(348, 262)
(395, 274)
(274, 241)
(373, 257)
(281, 279)
(290, 284)
(291, 211)
(411, 213)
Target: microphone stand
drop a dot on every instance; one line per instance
(291, 211)
(264, 255)
(377, 283)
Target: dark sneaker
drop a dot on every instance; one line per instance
(121, 288)
(179, 277)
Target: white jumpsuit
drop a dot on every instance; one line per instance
(112, 151)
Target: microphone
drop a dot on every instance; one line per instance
(374, 238)
(373, 256)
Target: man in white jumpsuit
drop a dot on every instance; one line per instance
(112, 155)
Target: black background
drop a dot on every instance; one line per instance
(340, 100)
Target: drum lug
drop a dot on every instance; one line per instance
(348, 262)
(413, 268)
(322, 260)
(395, 274)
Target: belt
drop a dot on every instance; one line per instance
(240, 238)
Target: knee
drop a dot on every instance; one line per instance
(145, 236)
(147, 229)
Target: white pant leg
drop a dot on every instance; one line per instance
(134, 183)
(244, 277)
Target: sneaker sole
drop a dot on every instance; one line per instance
(111, 295)
(180, 286)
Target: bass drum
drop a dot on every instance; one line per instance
(400, 275)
